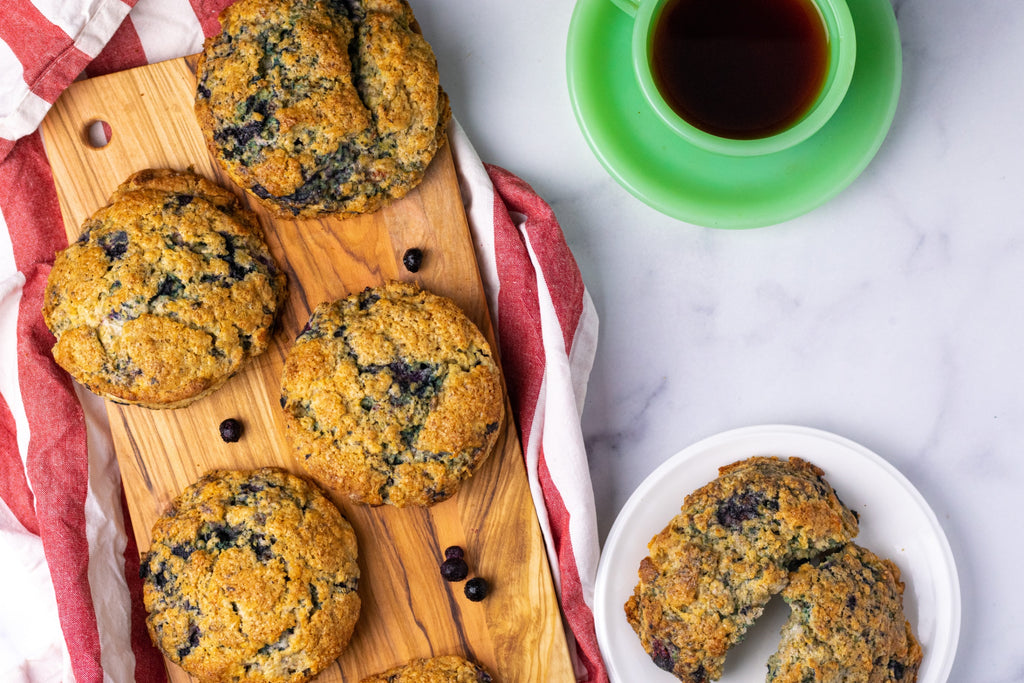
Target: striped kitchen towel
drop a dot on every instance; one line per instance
(68, 563)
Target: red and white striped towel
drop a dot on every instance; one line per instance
(68, 563)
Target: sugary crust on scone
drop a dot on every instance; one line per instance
(392, 396)
(318, 107)
(167, 292)
(711, 571)
(442, 669)
(846, 624)
(251, 576)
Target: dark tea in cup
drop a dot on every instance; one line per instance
(743, 77)
(740, 69)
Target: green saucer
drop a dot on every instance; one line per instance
(647, 158)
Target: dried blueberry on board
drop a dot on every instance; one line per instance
(412, 259)
(477, 589)
(231, 430)
(454, 569)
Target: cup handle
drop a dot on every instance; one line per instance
(630, 7)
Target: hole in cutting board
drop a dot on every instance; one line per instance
(98, 133)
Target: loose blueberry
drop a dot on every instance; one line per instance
(477, 589)
(454, 551)
(454, 569)
(231, 430)
(412, 259)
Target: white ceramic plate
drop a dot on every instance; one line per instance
(895, 522)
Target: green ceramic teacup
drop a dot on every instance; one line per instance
(841, 55)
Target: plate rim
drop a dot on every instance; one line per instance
(692, 451)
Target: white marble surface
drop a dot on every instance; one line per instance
(893, 315)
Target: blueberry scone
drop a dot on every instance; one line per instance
(321, 106)
(712, 570)
(846, 624)
(251, 576)
(165, 295)
(442, 669)
(391, 395)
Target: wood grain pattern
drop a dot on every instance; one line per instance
(408, 611)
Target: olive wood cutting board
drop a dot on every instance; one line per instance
(407, 609)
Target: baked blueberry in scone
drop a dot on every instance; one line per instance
(846, 623)
(441, 669)
(168, 291)
(392, 396)
(712, 570)
(321, 106)
(251, 576)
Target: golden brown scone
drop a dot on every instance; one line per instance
(443, 669)
(319, 107)
(711, 571)
(251, 577)
(165, 295)
(846, 624)
(392, 396)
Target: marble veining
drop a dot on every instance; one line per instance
(892, 315)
